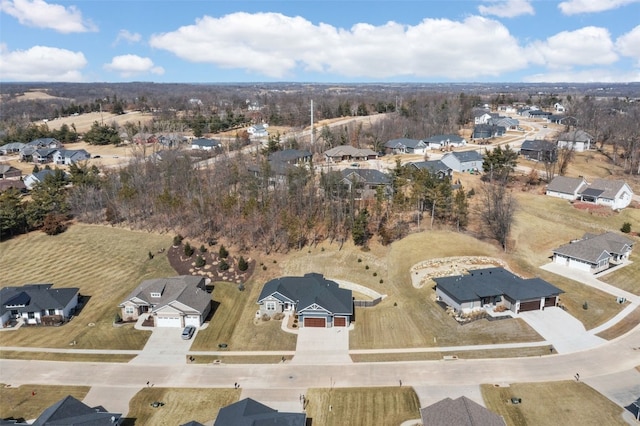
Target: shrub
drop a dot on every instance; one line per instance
(242, 264)
(265, 317)
(200, 262)
(381, 281)
(117, 318)
(626, 227)
(275, 261)
(188, 250)
(54, 224)
(177, 240)
(585, 306)
(223, 252)
(264, 267)
(203, 249)
(359, 260)
(366, 267)
(150, 255)
(375, 274)
(224, 266)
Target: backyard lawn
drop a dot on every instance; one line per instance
(29, 401)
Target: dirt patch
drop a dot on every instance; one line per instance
(602, 211)
(447, 266)
(184, 265)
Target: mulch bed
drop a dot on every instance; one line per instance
(184, 265)
(598, 210)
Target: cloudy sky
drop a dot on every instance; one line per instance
(320, 41)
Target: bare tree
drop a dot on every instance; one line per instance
(497, 211)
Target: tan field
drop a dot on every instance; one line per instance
(83, 122)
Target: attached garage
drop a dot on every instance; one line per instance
(534, 305)
(193, 320)
(315, 322)
(173, 321)
(550, 301)
(339, 322)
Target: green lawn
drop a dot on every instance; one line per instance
(552, 403)
(29, 401)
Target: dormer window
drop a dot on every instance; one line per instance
(156, 294)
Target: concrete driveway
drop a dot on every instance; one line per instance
(622, 388)
(165, 346)
(322, 346)
(562, 330)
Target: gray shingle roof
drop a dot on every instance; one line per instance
(249, 412)
(310, 289)
(575, 136)
(348, 150)
(288, 155)
(444, 138)
(537, 145)
(434, 166)
(205, 142)
(608, 188)
(566, 185)
(459, 412)
(370, 176)
(591, 247)
(409, 143)
(466, 156)
(71, 412)
(185, 289)
(36, 297)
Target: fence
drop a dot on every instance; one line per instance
(367, 303)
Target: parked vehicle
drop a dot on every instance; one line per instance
(188, 331)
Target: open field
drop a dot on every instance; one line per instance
(556, 403)
(83, 122)
(20, 402)
(105, 263)
(70, 357)
(180, 405)
(362, 406)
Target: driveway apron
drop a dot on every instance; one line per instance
(165, 346)
(322, 346)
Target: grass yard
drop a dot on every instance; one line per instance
(20, 402)
(240, 359)
(554, 403)
(627, 278)
(181, 405)
(627, 324)
(362, 406)
(71, 357)
(433, 356)
(105, 263)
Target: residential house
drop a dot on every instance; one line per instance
(43, 155)
(30, 181)
(249, 412)
(482, 116)
(539, 150)
(70, 411)
(37, 304)
(506, 122)
(487, 131)
(566, 188)
(556, 118)
(365, 182)
(558, 107)
(280, 165)
(605, 192)
(406, 146)
(171, 302)
(577, 140)
(205, 144)
(318, 302)
(463, 161)
(539, 114)
(143, 138)
(349, 153)
(70, 156)
(445, 141)
(11, 148)
(17, 184)
(9, 172)
(509, 109)
(461, 411)
(172, 140)
(493, 287)
(436, 168)
(291, 156)
(51, 143)
(258, 130)
(594, 253)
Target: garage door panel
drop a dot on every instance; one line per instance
(339, 321)
(315, 322)
(550, 301)
(168, 322)
(530, 306)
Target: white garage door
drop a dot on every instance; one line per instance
(168, 322)
(192, 320)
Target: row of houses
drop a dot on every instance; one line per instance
(11, 177)
(45, 150)
(420, 146)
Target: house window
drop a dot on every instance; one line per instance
(155, 294)
(31, 315)
(128, 310)
(271, 306)
(52, 311)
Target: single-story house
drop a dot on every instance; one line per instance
(318, 301)
(406, 146)
(487, 131)
(17, 184)
(365, 182)
(566, 188)
(349, 153)
(249, 412)
(444, 141)
(142, 138)
(506, 122)
(437, 168)
(172, 140)
(463, 161)
(492, 287)
(37, 304)
(291, 156)
(11, 148)
(33, 179)
(555, 118)
(460, 411)
(9, 172)
(43, 155)
(205, 144)
(278, 171)
(509, 109)
(172, 302)
(578, 140)
(605, 192)
(70, 411)
(539, 114)
(51, 143)
(594, 253)
(258, 130)
(70, 156)
(539, 150)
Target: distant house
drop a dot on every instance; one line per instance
(11, 148)
(487, 131)
(70, 156)
(406, 146)
(43, 155)
(365, 182)
(444, 141)
(9, 172)
(142, 138)
(172, 140)
(463, 161)
(172, 302)
(493, 287)
(556, 118)
(539, 150)
(578, 140)
(349, 153)
(291, 156)
(482, 116)
(37, 304)
(594, 253)
(258, 130)
(280, 165)
(317, 301)
(558, 107)
(605, 192)
(17, 184)
(461, 411)
(506, 122)
(566, 188)
(70, 411)
(436, 168)
(249, 412)
(205, 144)
(51, 143)
(539, 114)
(33, 179)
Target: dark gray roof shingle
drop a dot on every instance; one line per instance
(71, 412)
(249, 412)
(459, 412)
(591, 247)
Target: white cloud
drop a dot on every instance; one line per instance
(506, 8)
(126, 35)
(574, 7)
(40, 14)
(129, 65)
(584, 76)
(41, 63)
(275, 45)
(629, 44)
(586, 46)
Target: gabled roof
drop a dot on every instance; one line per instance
(591, 247)
(459, 412)
(43, 142)
(404, 142)
(36, 297)
(465, 156)
(434, 166)
(444, 138)
(537, 145)
(6, 168)
(71, 412)
(605, 188)
(566, 185)
(186, 290)
(79, 154)
(249, 412)
(348, 150)
(41, 175)
(289, 155)
(12, 146)
(308, 290)
(45, 152)
(494, 282)
(205, 142)
(575, 136)
(370, 176)
(504, 121)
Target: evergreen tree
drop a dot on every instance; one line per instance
(360, 231)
